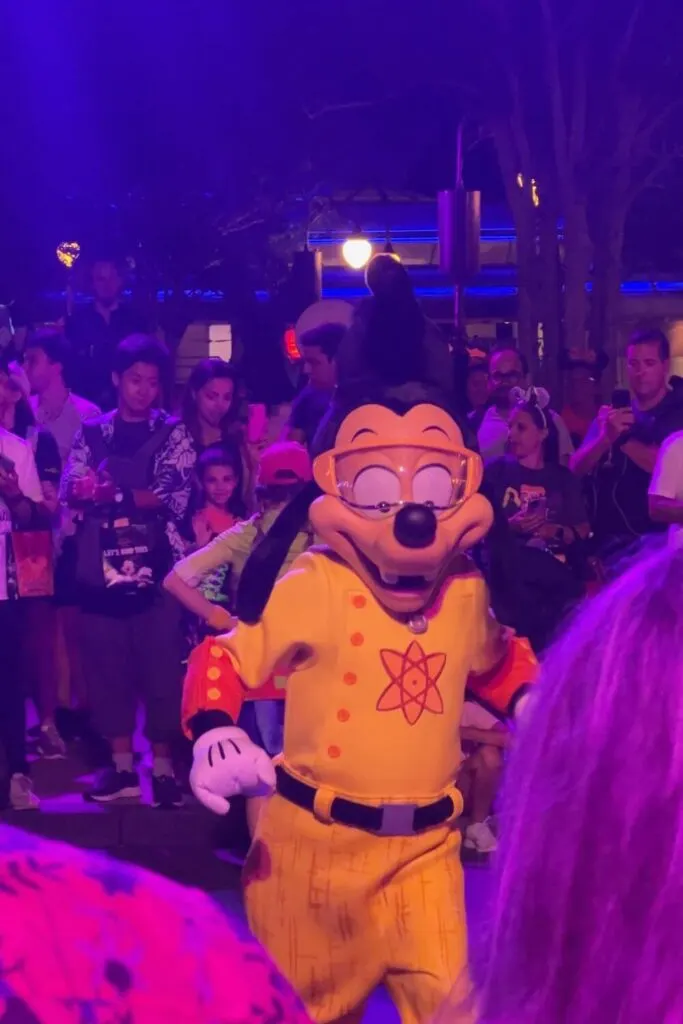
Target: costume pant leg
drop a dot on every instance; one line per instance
(340, 910)
(425, 931)
(307, 894)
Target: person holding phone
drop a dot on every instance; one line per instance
(619, 453)
(542, 505)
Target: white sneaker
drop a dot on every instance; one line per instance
(21, 795)
(50, 744)
(479, 837)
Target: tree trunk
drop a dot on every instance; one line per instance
(578, 254)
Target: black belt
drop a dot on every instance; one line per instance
(390, 820)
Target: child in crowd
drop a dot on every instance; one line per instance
(484, 740)
(219, 506)
(283, 469)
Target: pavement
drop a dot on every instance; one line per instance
(188, 845)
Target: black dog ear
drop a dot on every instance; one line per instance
(267, 558)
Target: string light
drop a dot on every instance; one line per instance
(357, 252)
(68, 253)
(535, 196)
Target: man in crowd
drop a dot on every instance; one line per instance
(508, 369)
(47, 360)
(319, 348)
(130, 473)
(46, 356)
(96, 329)
(621, 446)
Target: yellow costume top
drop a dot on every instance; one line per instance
(372, 708)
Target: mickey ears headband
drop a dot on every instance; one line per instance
(535, 397)
(531, 396)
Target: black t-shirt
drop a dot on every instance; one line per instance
(512, 486)
(128, 437)
(308, 409)
(618, 488)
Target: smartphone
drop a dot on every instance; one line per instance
(6, 464)
(621, 398)
(257, 424)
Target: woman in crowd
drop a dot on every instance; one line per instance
(214, 412)
(588, 902)
(542, 505)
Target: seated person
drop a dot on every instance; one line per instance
(484, 740)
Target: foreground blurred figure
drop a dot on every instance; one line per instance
(588, 908)
(84, 938)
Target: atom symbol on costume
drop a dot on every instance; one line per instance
(413, 688)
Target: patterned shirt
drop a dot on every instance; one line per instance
(172, 470)
(88, 940)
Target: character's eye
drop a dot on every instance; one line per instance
(377, 490)
(433, 486)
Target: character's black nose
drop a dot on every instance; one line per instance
(415, 526)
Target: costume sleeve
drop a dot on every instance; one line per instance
(219, 552)
(503, 666)
(296, 620)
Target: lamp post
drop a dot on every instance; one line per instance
(459, 216)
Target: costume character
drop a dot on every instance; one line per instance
(354, 876)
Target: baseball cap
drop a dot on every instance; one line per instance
(285, 462)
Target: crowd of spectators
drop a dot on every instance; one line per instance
(123, 533)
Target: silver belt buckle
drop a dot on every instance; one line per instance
(397, 820)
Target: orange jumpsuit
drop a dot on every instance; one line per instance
(373, 713)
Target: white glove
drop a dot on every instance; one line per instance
(226, 763)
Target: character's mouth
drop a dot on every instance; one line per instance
(397, 582)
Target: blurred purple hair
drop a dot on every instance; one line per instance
(588, 908)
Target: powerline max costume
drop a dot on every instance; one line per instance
(354, 876)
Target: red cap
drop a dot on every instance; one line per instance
(285, 462)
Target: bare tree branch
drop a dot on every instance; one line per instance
(336, 108)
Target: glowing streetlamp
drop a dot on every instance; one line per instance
(357, 252)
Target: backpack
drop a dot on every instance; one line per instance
(130, 552)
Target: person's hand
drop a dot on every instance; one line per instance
(83, 488)
(227, 763)
(527, 522)
(220, 619)
(202, 531)
(617, 422)
(105, 490)
(9, 484)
